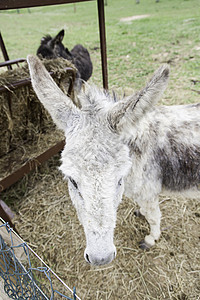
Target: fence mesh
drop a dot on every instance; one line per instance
(21, 275)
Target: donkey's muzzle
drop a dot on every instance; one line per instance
(99, 259)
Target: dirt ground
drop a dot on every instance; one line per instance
(133, 18)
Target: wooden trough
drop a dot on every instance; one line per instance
(27, 134)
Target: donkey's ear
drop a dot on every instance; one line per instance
(59, 37)
(60, 107)
(131, 109)
(68, 52)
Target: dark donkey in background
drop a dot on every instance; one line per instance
(53, 47)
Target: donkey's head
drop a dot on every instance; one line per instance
(53, 47)
(96, 157)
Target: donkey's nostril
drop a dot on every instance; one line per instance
(87, 258)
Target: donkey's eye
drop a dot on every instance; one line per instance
(73, 182)
(120, 182)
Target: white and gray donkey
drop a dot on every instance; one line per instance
(131, 147)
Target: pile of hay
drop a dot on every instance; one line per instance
(23, 120)
(48, 221)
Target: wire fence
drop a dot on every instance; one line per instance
(21, 279)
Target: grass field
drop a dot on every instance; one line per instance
(170, 34)
(135, 49)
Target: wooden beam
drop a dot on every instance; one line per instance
(14, 4)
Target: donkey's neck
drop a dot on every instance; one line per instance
(138, 137)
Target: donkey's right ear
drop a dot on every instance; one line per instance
(59, 106)
(127, 112)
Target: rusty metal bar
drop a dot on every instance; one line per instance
(15, 85)
(12, 62)
(5, 216)
(14, 4)
(30, 165)
(102, 32)
(4, 51)
(27, 81)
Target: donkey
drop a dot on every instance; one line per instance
(53, 47)
(130, 146)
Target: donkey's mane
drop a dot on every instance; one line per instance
(94, 99)
(46, 39)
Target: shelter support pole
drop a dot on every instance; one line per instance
(102, 33)
(4, 51)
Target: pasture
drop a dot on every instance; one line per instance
(45, 216)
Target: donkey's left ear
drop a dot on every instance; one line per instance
(59, 37)
(59, 106)
(131, 109)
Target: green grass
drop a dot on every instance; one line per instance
(135, 49)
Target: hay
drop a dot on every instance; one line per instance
(5, 123)
(17, 158)
(26, 128)
(22, 116)
(47, 220)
